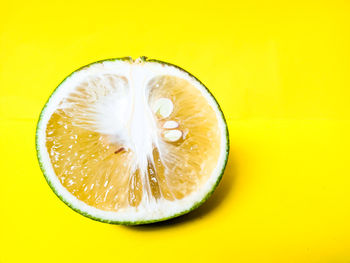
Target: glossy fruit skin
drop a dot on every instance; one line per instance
(196, 205)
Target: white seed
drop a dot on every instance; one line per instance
(172, 135)
(164, 107)
(170, 125)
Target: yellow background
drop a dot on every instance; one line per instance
(281, 72)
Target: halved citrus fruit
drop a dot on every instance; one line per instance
(132, 142)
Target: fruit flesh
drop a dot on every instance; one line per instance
(99, 169)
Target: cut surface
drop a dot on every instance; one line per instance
(132, 142)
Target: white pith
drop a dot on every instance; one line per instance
(141, 122)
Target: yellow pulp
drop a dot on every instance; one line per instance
(98, 171)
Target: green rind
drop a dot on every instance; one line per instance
(196, 205)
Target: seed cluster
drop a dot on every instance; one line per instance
(163, 108)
